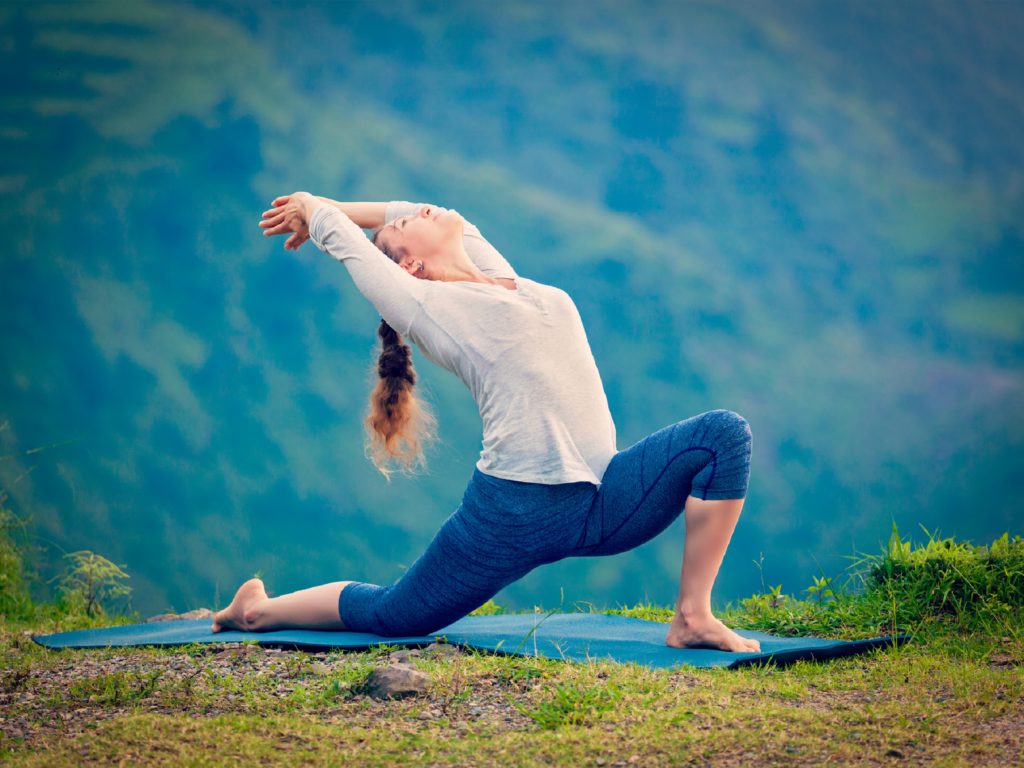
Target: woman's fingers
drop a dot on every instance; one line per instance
(279, 229)
(293, 242)
(273, 220)
(286, 217)
(288, 221)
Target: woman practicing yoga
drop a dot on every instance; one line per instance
(550, 482)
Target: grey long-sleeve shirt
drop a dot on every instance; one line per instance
(523, 354)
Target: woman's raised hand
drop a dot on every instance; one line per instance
(290, 213)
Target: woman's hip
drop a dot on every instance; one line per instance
(533, 519)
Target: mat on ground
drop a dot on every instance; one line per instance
(568, 636)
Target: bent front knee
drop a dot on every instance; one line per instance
(728, 425)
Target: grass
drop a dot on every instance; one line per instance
(950, 697)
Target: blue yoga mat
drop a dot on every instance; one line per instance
(569, 636)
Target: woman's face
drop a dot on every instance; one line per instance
(423, 241)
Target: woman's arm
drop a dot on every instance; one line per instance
(395, 293)
(365, 215)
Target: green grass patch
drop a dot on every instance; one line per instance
(572, 704)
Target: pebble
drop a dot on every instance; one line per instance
(443, 649)
(396, 681)
(403, 656)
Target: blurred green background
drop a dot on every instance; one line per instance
(807, 212)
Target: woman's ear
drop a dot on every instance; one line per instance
(413, 266)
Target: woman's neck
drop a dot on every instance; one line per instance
(465, 271)
(461, 269)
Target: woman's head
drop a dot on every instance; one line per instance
(425, 244)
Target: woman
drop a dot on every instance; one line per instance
(550, 483)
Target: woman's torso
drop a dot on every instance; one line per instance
(525, 357)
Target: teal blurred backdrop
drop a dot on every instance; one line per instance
(811, 213)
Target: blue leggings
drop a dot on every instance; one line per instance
(504, 528)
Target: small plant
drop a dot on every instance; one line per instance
(15, 601)
(91, 580)
(572, 705)
(821, 589)
(517, 670)
(771, 600)
(490, 608)
(116, 688)
(349, 679)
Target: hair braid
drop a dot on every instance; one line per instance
(398, 424)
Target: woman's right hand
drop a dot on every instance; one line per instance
(291, 213)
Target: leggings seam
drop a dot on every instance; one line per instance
(714, 468)
(647, 492)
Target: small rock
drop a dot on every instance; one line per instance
(475, 711)
(633, 759)
(1001, 660)
(396, 681)
(403, 656)
(198, 613)
(234, 652)
(600, 761)
(443, 649)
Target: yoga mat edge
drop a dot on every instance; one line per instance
(570, 637)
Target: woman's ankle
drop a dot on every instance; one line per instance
(689, 612)
(254, 614)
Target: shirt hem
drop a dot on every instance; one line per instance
(531, 477)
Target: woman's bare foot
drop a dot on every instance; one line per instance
(234, 616)
(707, 632)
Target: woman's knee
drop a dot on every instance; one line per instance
(727, 426)
(729, 440)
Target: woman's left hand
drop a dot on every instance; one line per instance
(291, 213)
